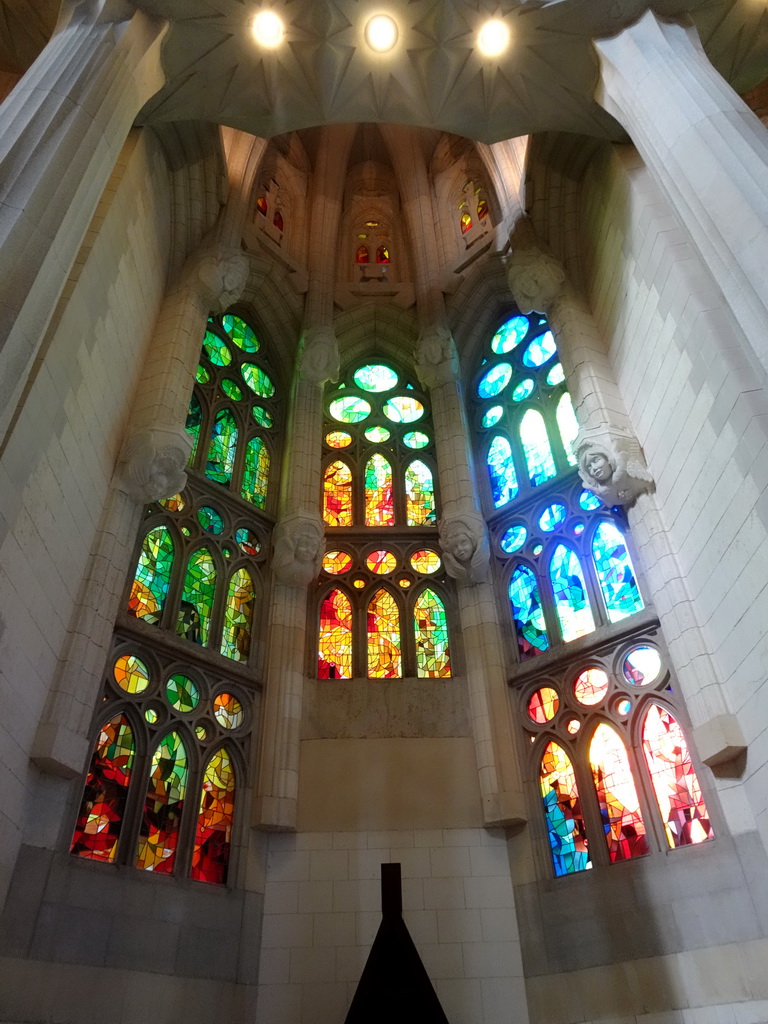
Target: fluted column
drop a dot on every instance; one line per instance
(61, 131)
(705, 148)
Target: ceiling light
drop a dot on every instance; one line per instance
(268, 28)
(493, 38)
(381, 33)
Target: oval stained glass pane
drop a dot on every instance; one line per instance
(568, 426)
(161, 820)
(403, 409)
(131, 674)
(433, 659)
(540, 350)
(642, 666)
(494, 381)
(238, 612)
(615, 573)
(379, 501)
(543, 705)
(256, 473)
(552, 517)
(381, 562)
(262, 416)
(337, 494)
(617, 796)
(377, 434)
(153, 575)
(675, 784)
(175, 503)
(590, 687)
(222, 449)
(538, 454)
(570, 593)
(197, 598)
(383, 624)
(182, 692)
(425, 561)
(562, 810)
(257, 380)
(492, 416)
(247, 541)
(231, 390)
(338, 439)
(523, 390)
(501, 471)
(589, 501)
(513, 539)
(415, 439)
(100, 819)
(239, 331)
(335, 637)
(509, 335)
(151, 716)
(210, 855)
(375, 377)
(623, 706)
(527, 613)
(336, 562)
(202, 376)
(555, 375)
(228, 711)
(350, 409)
(216, 349)
(419, 495)
(210, 519)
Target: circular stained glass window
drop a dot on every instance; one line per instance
(185, 531)
(350, 409)
(151, 716)
(552, 517)
(182, 692)
(404, 582)
(338, 439)
(403, 410)
(175, 503)
(202, 376)
(573, 725)
(201, 732)
(216, 350)
(228, 711)
(381, 562)
(425, 561)
(240, 333)
(358, 583)
(642, 666)
(377, 434)
(415, 439)
(492, 416)
(231, 390)
(375, 377)
(131, 674)
(247, 541)
(591, 686)
(540, 350)
(210, 519)
(588, 501)
(257, 380)
(513, 539)
(537, 549)
(555, 375)
(226, 551)
(623, 706)
(578, 529)
(543, 705)
(494, 380)
(262, 417)
(523, 390)
(336, 562)
(510, 335)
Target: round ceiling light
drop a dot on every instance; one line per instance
(381, 33)
(268, 28)
(493, 38)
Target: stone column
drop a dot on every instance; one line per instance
(612, 465)
(62, 129)
(705, 148)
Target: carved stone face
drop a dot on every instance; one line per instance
(461, 545)
(536, 281)
(598, 466)
(306, 546)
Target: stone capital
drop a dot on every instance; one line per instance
(466, 552)
(299, 548)
(536, 278)
(612, 465)
(154, 462)
(318, 355)
(437, 361)
(219, 277)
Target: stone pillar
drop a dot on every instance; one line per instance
(612, 465)
(705, 148)
(63, 127)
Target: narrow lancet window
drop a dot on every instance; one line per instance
(615, 573)
(222, 449)
(568, 426)
(501, 472)
(337, 494)
(163, 807)
(379, 503)
(562, 809)
(570, 592)
(432, 656)
(527, 612)
(256, 473)
(106, 790)
(419, 495)
(335, 656)
(153, 575)
(213, 835)
(383, 637)
(238, 612)
(536, 447)
(616, 793)
(194, 621)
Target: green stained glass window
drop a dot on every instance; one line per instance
(100, 819)
(379, 504)
(403, 410)
(257, 380)
(256, 473)
(239, 331)
(616, 793)
(247, 541)
(492, 416)
(419, 495)
(615, 573)
(335, 641)
(182, 693)
(175, 503)
(509, 335)
(377, 434)
(415, 439)
(494, 381)
(350, 409)
(501, 471)
(238, 612)
(536, 448)
(163, 807)
(527, 613)
(540, 350)
(222, 449)
(384, 660)
(210, 519)
(213, 835)
(202, 376)
(375, 377)
(194, 620)
(231, 390)
(432, 655)
(568, 426)
(216, 349)
(570, 593)
(262, 417)
(193, 424)
(562, 809)
(153, 575)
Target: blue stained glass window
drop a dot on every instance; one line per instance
(527, 612)
(538, 454)
(552, 517)
(509, 335)
(523, 390)
(615, 573)
(501, 470)
(562, 808)
(513, 539)
(540, 350)
(589, 501)
(570, 591)
(494, 380)
(555, 375)
(492, 416)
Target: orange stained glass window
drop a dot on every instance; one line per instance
(335, 654)
(382, 254)
(619, 804)
(362, 256)
(674, 779)
(261, 205)
(236, 635)
(379, 502)
(210, 857)
(433, 659)
(482, 209)
(163, 807)
(337, 494)
(466, 223)
(384, 660)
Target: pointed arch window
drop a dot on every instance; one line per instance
(431, 625)
(383, 636)
(617, 795)
(238, 613)
(153, 575)
(100, 818)
(213, 834)
(362, 255)
(562, 810)
(335, 637)
(163, 806)
(570, 592)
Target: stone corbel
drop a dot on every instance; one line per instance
(318, 356)
(466, 551)
(299, 548)
(535, 277)
(437, 361)
(219, 277)
(721, 746)
(153, 463)
(612, 465)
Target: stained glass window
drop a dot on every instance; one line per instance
(361, 256)
(238, 612)
(383, 636)
(617, 795)
(193, 424)
(536, 448)
(337, 494)
(501, 469)
(100, 818)
(570, 592)
(213, 835)
(379, 503)
(335, 660)
(197, 598)
(568, 426)
(419, 494)
(615, 573)
(256, 473)
(527, 613)
(432, 654)
(222, 449)
(562, 809)
(163, 807)
(153, 575)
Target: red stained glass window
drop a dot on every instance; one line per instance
(106, 790)
(261, 205)
(361, 256)
(163, 807)
(335, 655)
(616, 793)
(383, 637)
(466, 223)
(278, 221)
(213, 836)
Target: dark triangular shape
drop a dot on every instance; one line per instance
(394, 985)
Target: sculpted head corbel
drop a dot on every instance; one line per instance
(319, 355)
(154, 463)
(536, 279)
(299, 548)
(437, 361)
(612, 465)
(220, 277)
(466, 552)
